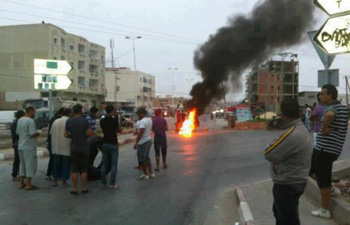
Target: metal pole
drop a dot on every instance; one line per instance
(173, 94)
(133, 45)
(50, 103)
(347, 90)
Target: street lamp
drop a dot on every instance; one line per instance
(172, 71)
(134, 51)
(133, 47)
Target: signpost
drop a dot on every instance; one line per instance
(51, 75)
(333, 37)
(56, 67)
(51, 82)
(328, 77)
(332, 7)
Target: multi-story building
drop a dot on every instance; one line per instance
(21, 44)
(128, 88)
(273, 82)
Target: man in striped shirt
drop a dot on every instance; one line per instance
(329, 144)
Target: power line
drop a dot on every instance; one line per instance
(110, 33)
(91, 25)
(95, 19)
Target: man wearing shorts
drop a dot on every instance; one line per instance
(143, 144)
(26, 130)
(78, 129)
(329, 144)
(159, 128)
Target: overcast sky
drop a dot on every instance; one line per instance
(171, 31)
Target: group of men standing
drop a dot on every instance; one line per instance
(293, 161)
(70, 138)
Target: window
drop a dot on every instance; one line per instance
(63, 42)
(55, 41)
(55, 57)
(63, 57)
(71, 47)
(72, 64)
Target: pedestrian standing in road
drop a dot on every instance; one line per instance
(329, 145)
(110, 148)
(49, 143)
(290, 158)
(26, 130)
(60, 150)
(316, 116)
(94, 140)
(15, 138)
(159, 129)
(143, 143)
(78, 129)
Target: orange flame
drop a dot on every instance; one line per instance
(188, 126)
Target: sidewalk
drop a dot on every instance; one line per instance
(259, 198)
(7, 154)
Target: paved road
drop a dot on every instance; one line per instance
(196, 189)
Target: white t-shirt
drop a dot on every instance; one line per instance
(60, 144)
(145, 123)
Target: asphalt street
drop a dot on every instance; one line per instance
(196, 189)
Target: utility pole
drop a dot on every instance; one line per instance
(172, 70)
(137, 77)
(133, 47)
(111, 44)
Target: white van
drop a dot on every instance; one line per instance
(7, 118)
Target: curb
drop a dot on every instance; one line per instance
(245, 213)
(45, 153)
(339, 206)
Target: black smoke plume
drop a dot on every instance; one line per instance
(247, 40)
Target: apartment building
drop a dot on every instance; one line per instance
(21, 44)
(273, 82)
(127, 88)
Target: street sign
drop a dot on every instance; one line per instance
(333, 37)
(326, 59)
(51, 82)
(56, 67)
(328, 77)
(332, 7)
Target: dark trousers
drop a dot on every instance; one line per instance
(61, 167)
(49, 166)
(286, 203)
(15, 166)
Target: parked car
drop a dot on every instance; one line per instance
(7, 118)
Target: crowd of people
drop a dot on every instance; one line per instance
(73, 144)
(294, 157)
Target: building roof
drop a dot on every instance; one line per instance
(50, 24)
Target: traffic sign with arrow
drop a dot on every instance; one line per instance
(56, 67)
(332, 7)
(51, 82)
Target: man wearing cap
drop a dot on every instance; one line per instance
(143, 143)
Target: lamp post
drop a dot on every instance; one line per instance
(137, 80)
(172, 72)
(133, 47)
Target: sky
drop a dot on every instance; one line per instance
(171, 31)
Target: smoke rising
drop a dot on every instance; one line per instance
(246, 41)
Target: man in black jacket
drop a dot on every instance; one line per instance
(15, 138)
